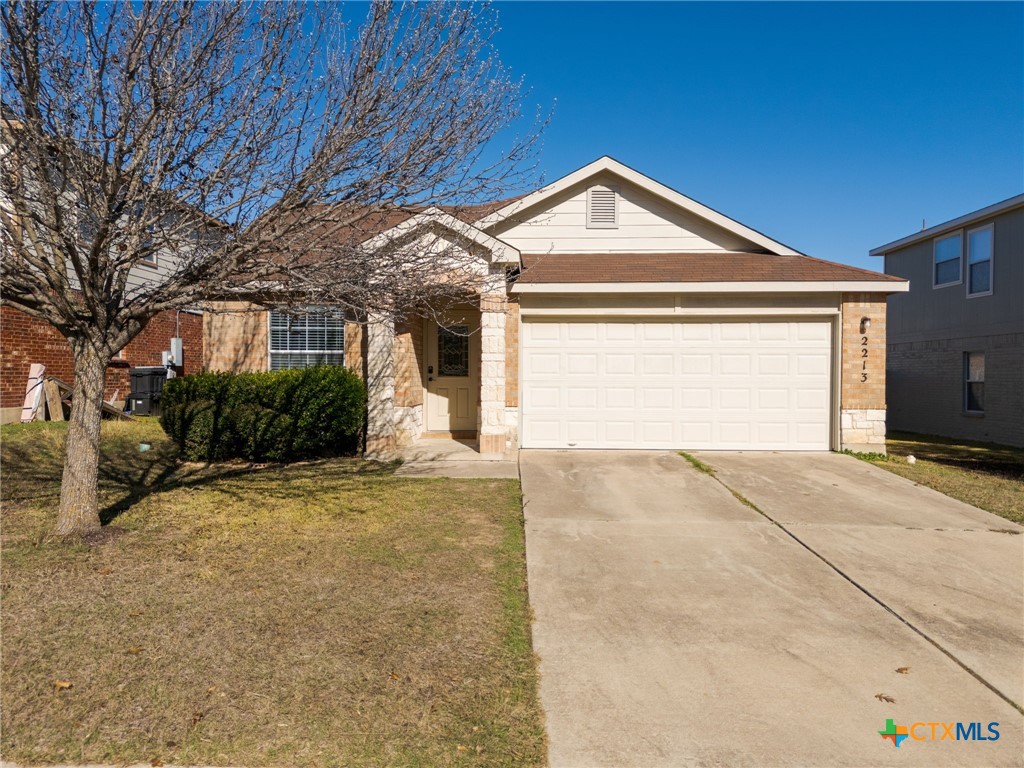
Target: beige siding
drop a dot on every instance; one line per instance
(646, 225)
(235, 338)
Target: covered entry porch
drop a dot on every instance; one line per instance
(441, 376)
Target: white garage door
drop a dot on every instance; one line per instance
(720, 385)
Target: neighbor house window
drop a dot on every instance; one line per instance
(948, 251)
(301, 341)
(979, 261)
(974, 382)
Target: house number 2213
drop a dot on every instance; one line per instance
(864, 358)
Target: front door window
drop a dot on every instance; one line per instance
(453, 351)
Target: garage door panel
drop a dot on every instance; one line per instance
(620, 332)
(696, 399)
(542, 364)
(657, 333)
(773, 365)
(616, 364)
(620, 397)
(773, 399)
(584, 431)
(733, 385)
(620, 433)
(696, 433)
(695, 331)
(659, 398)
(734, 365)
(694, 364)
(537, 334)
(582, 331)
(812, 365)
(734, 331)
(733, 399)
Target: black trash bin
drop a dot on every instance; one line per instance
(147, 384)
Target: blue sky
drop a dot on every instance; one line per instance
(833, 127)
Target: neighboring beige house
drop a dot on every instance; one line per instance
(956, 340)
(615, 313)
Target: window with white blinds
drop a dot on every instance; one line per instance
(302, 341)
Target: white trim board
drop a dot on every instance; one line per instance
(609, 165)
(500, 252)
(962, 221)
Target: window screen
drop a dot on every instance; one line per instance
(947, 260)
(979, 261)
(301, 341)
(974, 382)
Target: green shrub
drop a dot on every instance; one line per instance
(275, 416)
(262, 434)
(200, 429)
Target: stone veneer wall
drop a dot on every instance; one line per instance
(512, 353)
(493, 433)
(409, 380)
(862, 385)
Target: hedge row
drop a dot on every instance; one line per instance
(272, 416)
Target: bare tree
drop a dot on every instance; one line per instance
(250, 149)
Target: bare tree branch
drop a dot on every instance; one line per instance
(250, 149)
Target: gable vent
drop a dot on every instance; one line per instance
(602, 208)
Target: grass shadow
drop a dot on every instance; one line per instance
(33, 462)
(984, 458)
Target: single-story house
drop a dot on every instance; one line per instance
(617, 313)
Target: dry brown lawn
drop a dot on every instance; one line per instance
(987, 476)
(327, 613)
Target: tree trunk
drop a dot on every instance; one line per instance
(79, 502)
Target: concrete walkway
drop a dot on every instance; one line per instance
(436, 457)
(677, 626)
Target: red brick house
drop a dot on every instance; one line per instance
(25, 340)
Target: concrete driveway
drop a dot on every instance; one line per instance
(676, 625)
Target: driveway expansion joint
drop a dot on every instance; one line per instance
(938, 646)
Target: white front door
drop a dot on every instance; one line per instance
(761, 385)
(452, 373)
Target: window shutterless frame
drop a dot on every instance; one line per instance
(958, 259)
(974, 383)
(304, 339)
(988, 258)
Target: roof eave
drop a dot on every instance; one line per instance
(500, 251)
(751, 286)
(995, 209)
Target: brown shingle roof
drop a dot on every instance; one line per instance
(686, 268)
